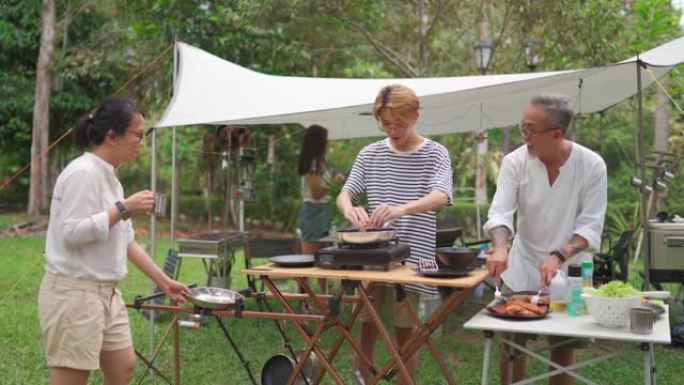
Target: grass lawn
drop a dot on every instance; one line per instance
(208, 359)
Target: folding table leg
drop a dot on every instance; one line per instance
(334, 320)
(243, 361)
(346, 334)
(485, 359)
(385, 336)
(298, 369)
(150, 363)
(649, 364)
(430, 345)
(303, 331)
(422, 334)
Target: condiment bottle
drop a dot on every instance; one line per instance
(558, 292)
(575, 303)
(588, 272)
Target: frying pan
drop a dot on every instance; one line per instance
(293, 260)
(383, 234)
(214, 297)
(277, 370)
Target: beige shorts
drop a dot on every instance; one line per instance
(79, 319)
(384, 298)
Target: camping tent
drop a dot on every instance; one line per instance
(210, 90)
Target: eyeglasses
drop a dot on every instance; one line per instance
(385, 125)
(525, 130)
(138, 134)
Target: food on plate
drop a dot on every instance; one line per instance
(520, 307)
(542, 301)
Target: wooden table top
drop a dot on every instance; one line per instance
(404, 274)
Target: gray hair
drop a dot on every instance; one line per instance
(558, 109)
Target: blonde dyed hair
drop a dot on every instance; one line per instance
(401, 100)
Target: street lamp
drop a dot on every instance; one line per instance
(531, 55)
(483, 54)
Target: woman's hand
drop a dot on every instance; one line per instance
(357, 216)
(175, 290)
(384, 214)
(140, 203)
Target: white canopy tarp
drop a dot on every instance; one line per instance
(210, 90)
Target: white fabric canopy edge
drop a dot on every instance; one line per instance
(210, 90)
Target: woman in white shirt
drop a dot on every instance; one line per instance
(84, 322)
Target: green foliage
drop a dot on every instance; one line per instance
(100, 45)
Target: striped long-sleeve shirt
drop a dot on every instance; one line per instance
(393, 177)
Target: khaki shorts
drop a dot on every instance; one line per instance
(385, 296)
(522, 338)
(79, 319)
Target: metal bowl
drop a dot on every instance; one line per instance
(369, 236)
(456, 256)
(214, 297)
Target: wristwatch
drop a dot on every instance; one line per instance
(124, 214)
(560, 255)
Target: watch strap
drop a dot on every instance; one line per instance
(124, 214)
(560, 255)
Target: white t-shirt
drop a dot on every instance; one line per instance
(80, 243)
(548, 216)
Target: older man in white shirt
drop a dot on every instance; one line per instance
(558, 189)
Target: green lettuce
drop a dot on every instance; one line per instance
(614, 289)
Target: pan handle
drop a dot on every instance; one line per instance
(140, 300)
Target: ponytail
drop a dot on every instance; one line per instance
(113, 114)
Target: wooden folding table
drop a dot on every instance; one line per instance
(351, 279)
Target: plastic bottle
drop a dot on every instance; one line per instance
(575, 303)
(558, 292)
(427, 305)
(587, 272)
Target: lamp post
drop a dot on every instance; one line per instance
(483, 54)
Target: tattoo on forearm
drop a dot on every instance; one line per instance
(500, 236)
(576, 245)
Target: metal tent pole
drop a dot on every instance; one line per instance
(174, 187)
(153, 229)
(642, 171)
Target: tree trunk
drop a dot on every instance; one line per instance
(38, 191)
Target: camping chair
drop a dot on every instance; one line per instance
(614, 264)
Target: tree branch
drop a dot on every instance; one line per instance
(393, 57)
(495, 43)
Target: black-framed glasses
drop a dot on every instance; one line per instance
(138, 134)
(528, 132)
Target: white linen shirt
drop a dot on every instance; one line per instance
(547, 216)
(80, 243)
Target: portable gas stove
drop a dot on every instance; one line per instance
(368, 256)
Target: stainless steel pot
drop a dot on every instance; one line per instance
(369, 236)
